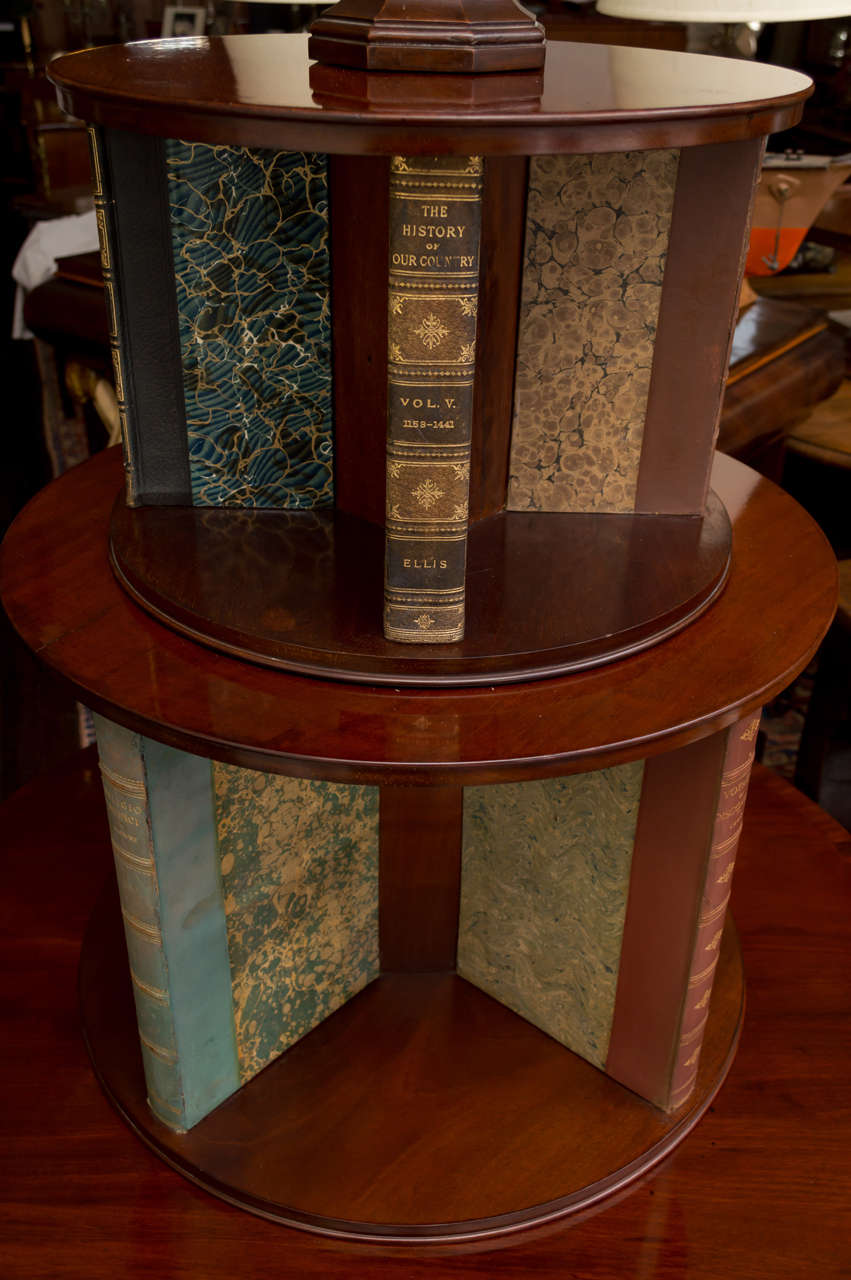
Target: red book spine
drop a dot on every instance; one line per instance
(738, 758)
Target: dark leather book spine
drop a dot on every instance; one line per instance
(435, 221)
(738, 759)
(105, 214)
(138, 270)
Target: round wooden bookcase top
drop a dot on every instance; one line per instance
(758, 634)
(261, 91)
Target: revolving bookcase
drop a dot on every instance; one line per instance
(425, 939)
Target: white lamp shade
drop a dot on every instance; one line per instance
(725, 10)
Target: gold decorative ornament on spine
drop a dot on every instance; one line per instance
(435, 218)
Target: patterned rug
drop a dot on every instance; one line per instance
(782, 724)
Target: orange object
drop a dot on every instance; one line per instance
(771, 250)
(791, 193)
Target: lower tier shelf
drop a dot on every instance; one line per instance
(759, 1189)
(421, 1111)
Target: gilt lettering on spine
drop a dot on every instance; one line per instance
(435, 216)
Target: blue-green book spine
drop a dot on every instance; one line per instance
(161, 815)
(215, 866)
(125, 788)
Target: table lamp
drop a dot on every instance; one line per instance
(740, 19)
(791, 191)
(725, 10)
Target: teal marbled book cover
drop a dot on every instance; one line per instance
(252, 276)
(544, 883)
(299, 872)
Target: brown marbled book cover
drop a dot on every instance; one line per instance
(594, 261)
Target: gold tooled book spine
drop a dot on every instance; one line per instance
(125, 790)
(435, 219)
(738, 759)
(104, 212)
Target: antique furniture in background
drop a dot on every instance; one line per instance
(785, 358)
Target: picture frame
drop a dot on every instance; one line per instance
(183, 20)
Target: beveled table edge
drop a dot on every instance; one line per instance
(131, 102)
(757, 636)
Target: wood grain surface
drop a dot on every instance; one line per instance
(667, 875)
(419, 877)
(501, 254)
(768, 399)
(63, 599)
(255, 90)
(696, 320)
(302, 591)
(758, 1191)
(422, 1110)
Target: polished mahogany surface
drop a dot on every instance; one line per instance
(764, 627)
(421, 1109)
(303, 591)
(784, 360)
(255, 90)
(758, 1191)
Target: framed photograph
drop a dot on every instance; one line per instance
(183, 20)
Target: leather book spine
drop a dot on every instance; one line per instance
(131, 200)
(738, 759)
(107, 237)
(435, 222)
(125, 788)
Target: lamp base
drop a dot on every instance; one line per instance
(451, 35)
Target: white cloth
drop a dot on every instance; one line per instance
(36, 260)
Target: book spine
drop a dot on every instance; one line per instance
(738, 759)
(435, 221)
(107, 236)
(125, 788)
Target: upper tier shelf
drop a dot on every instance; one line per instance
(67, 605)
(261, 91)
(302, 590)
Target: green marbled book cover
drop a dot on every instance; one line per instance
(299, 874)
(250, 904)
(544, 883)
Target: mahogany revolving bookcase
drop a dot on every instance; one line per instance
(424, 919)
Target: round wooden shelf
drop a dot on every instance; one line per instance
(758, 1189)
(303, 590)
(67, 605)
(259, 91)
(395, 1118)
